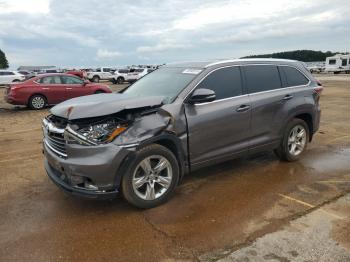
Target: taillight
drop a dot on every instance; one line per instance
(319, 88)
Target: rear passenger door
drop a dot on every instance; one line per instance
(220, 128)
(52, 88)
(271, 102)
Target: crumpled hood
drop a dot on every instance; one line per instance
(101, 105)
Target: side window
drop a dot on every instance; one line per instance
(332, 61)
(98, 70)
(344, 62)
(49, 80)
(71, 80)
(7, 73)
(292, 76)
(261, 78)
(225, 82)
(106, 69)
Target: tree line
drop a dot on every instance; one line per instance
(3, 61)
(301, 55)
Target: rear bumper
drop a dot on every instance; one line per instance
(13, 100)
(317, 120)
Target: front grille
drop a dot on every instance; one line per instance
(57, 142)
(54, 138)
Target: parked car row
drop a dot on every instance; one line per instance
(118, 76)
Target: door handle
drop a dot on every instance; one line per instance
(287, 97)
(243, 108)
(69, 88)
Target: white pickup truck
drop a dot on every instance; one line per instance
(102, 73)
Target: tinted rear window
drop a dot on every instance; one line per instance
(292, 76)
(225, 82)
(261, 78)
(50, 80)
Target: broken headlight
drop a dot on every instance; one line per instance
(98, 133)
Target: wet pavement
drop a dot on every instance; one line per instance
(214, 211)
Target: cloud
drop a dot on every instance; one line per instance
(162, 47)
(107, 54)
(95, 32)
(25, 6)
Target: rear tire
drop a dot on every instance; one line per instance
(294, 142)
(37, 102)
(99, 92)
(151, 178)
(16, 81)
(120, 80)
(96, 79)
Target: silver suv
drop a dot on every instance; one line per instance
(175, 120)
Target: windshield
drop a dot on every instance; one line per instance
(167, 82)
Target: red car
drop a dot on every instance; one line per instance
(50, 89)
(77, 73)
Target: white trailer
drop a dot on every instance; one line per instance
(338, 63)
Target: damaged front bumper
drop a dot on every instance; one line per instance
(89, 171)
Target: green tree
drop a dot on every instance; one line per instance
(3, 61)
(301, 55)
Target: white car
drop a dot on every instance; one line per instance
(119, 76)
(8, 77)
(102, 73)
(137, 73)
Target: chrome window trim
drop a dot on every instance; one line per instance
(221, 100)
(267, 91)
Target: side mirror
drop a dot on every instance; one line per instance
(202, 95)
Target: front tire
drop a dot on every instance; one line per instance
(151, 178)
(294, 142)
(120, 80)
(37, 102)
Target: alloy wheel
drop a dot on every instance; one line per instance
(297, 140)
(152, 177)
(38, 102)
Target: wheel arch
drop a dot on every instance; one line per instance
(307, 117)
(35, 94)
(172, 143)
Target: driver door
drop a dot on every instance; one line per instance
(220, 129)
(75, 87)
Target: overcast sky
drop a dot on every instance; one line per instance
(109, 32)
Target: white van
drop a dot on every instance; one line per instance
(338, 63)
